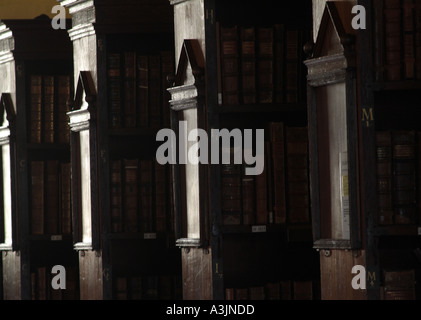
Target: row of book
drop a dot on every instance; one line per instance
(164, 287)
(137, 89)
(398, 285)
(49, 96)
(260, 64)
(398, 176)
(398, 39)
(42, 289)
(281, 193)
(282, 290)
(50, 201)
(140, 199)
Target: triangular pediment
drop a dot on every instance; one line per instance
(190, 64)
(85, 94)
(331, 33)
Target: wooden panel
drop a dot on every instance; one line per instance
(197, 274)
(336, 275)
(11, 275)
(90, 266)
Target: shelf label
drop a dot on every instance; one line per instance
(56, 237)
(149, 236)
(261, 228)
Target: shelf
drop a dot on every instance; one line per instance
(398, 230)
(261, 108)
(404, 85)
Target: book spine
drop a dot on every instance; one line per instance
(48, 112)
(418, 38)
(63, 130)
(37, 197)
(129, 115)
(131, 194)
(35, 109)
(384, 177)
(231, 202)
(409, 38)
(161, 197)
(230, 65)
(297, 175)
(116, 201)
(278, 160)
(262, 195)
(404, 189)
(378, 40)
(155, 109)
(52, 197)
(292, 70)
(114, 93)
(146, 196)
(393, 40)
(66, 203)
(248, 65)
(142, 91)
(167, 68)
(279, 47)
(265, 64)
(249, 200)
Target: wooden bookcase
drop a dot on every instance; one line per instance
(122, 53)
(389, 108)
(261, 248)
(382, 107)
(36, 68)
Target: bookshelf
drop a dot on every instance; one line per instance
(235, 70)
(36, 66)
(124, 238)
(393, 231)
(386, 218)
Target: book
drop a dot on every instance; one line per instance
(303, 290)
(248, 200)
(248, 65)
(378, 40)
(393, 39)
(161, 197)
(49, 110)
(399, 284)
(292, 65)
(37, 197)
(231, 200)
(51, 184)
(279, 63)
(265, 64)
(63, 96)
(146, 196)
(65, 203)
(384, 177)
(142, 95)
(167, 69)
(131, 194)
(417, 8)
(155, 107)
(408, 20)
(115, 90)
(35, 108)
(129, 115)
(278, 162)
(230, 65)
(404, 188)
(116, 223)
(298, 208)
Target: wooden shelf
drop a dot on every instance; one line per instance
(262, 108)
(404, 85)
(398, 230)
